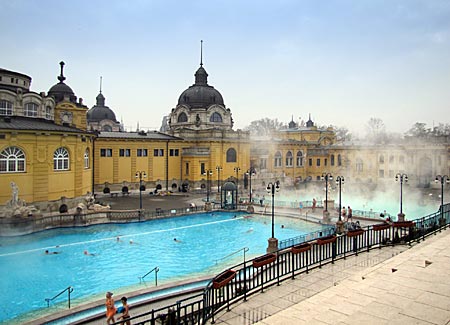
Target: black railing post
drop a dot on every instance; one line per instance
(278, 269)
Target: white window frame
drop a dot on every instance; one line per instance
(6, 107)
(31, 109)
(12, 160)
(61, 159)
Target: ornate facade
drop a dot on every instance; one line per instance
(54, 151)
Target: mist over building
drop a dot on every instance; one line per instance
(57, 150)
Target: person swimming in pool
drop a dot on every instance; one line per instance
(47, 252)
(177, 240)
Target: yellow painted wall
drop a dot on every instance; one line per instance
(40, 182)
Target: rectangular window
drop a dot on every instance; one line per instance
(48, 113)
(318, 162)
(310, 162)
(174, 152)
(124, 152)
(142, 153)
(158, 152)
(202, 168)
(325, 162)
(161, 152)
(31, 109)
(155, 152)
(263, 163)
(187, 168)
(381, 173)
(105, 152)
(6, 107)
(277, 162)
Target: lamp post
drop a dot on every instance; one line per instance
(218, 168)
(339, 182)
(442, 180)
(327, 177)
(237, 170)
(250, 173)
(273, 242)
(271, 188)
(208, 174)
(140, 175)
(401, 178)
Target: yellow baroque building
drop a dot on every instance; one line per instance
(54, 151)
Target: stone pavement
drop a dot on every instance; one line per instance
(392, 285)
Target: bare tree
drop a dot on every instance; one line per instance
(342, 133)
(418, 130)
(376, 130)
(264, 126)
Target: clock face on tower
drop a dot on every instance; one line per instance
(66, 117)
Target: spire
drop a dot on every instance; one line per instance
(61, 78)
(100, 98)
(201, 76)
(201, 53)
(309, 123)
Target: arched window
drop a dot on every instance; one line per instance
(332, 160)
(61, 159)
(231, 155)
(289, 159)
(6, 107)
(359, 165)
(299, 159)
(339, 160)
(106, 128)
(12, 159)
(216, 117)
(182, 118)
(31, 109)
(277, 160)
(86, 159)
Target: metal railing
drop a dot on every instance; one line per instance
(69, 291)
(244, 249)
(326, 231)
(249, 278)
(156, 270)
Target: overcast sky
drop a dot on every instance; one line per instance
(341, 61)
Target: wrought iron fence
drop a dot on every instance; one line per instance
(249, 277)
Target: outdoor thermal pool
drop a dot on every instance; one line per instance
(29, 276)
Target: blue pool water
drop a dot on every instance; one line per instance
(29, 276)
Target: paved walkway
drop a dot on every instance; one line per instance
(393, 285)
